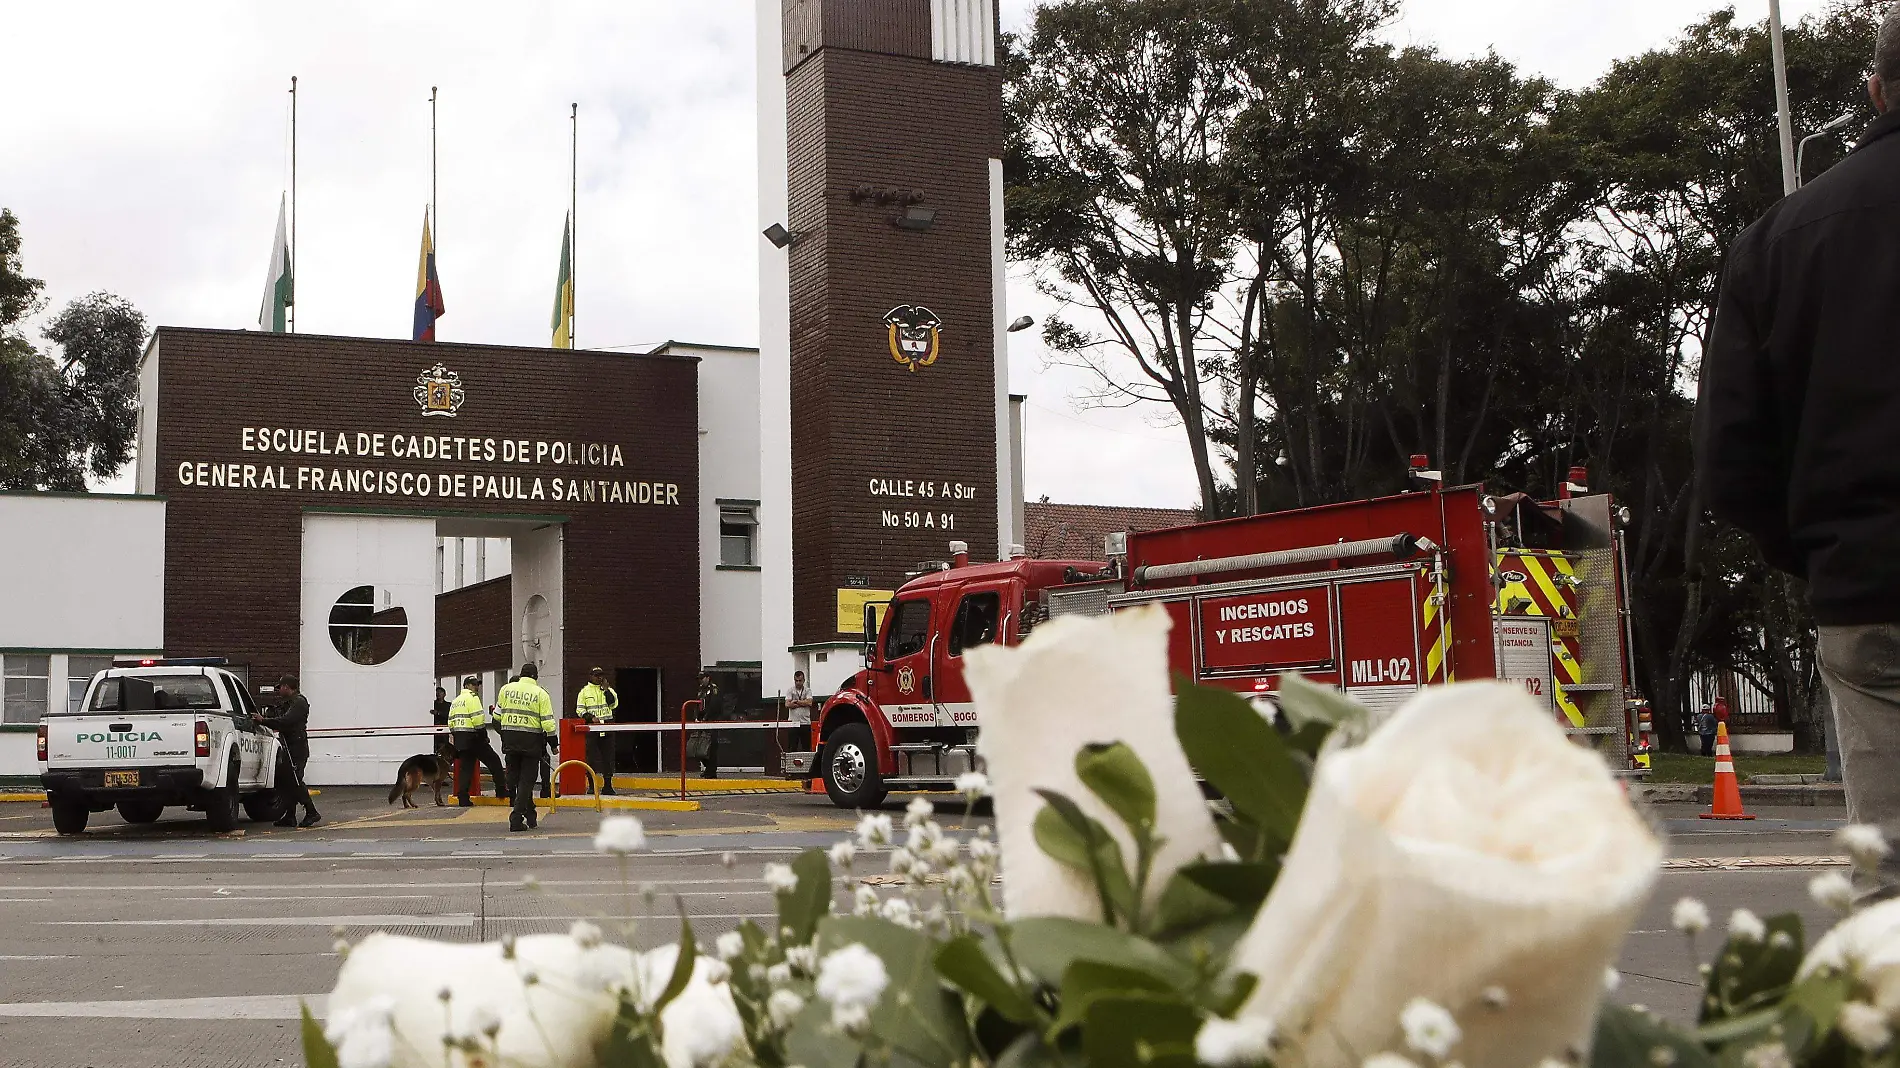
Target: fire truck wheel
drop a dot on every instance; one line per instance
(851, 778)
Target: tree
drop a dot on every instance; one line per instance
(66, 417)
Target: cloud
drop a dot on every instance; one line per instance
(145, 147)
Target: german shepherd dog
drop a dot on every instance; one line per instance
(419, 769)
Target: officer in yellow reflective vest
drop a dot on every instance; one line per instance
(468, 724)
(525, 714)
(596, 704)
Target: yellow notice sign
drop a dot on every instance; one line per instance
(851, 604)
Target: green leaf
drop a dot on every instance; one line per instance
(1045, 946)
(1236, 750)
(1030, 1051)
(1735, 1027)
(1309, 704)
(963, 962)
(1206, 891)
(1626, 1038)
(1116, 775)
(1140, 1031)
(317, 1051)
(1811, 1009)
(682, 964)
(917, 1017)
(1230, 992)
(1749, 975)
(804, 905)
(1099, 852)
(811, 1040)
(1087, 980)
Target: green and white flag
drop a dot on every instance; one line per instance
(279, 293)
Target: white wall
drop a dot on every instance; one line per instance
(729, 461)
(146, 459)
(538, 571)
(82, 572)
(390, 553)
(775, 356)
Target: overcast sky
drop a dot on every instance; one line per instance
(145, 149)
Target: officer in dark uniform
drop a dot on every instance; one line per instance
(290, 718)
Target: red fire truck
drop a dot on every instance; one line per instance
(1378, 597)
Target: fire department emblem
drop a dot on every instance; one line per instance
(915, 335)
(906, 680)
(439, 391)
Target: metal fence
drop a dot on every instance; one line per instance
(1750, 708)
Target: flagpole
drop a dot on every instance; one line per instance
(436, 216)
(573, 202)
(291, 252)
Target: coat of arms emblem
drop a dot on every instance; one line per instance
(915, 335)
(906, 679)
(439, 391)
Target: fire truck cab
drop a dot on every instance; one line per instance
(1378, 597)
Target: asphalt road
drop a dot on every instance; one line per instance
(164, 944)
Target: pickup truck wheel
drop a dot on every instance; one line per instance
(221, 805)
(261, 808)
(850, 768)
(70, 815)
(140, 811)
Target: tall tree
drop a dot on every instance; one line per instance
(67, 416)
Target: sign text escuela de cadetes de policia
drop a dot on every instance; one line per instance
(248, 435)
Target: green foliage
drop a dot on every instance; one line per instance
(916, 1018)
(1235, 748)
(317, 1051)
(800, 909)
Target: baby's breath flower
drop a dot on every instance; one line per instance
(943, 852)
(1494, 997)
(1770, 1055)
(1232, 1043)
(584, 934)
(729, 945)
(874, 830)
(531, 883)
(852, 977)
(1864, 1027)
(919, 810)
(1865, 843)
(901, 860)
(782, 1007)
(973, 784)
(851, 1019)
(802, 959)
(982, 848)
(1745, 926)
(1832, 890)
(1690, 916)
(729, 858)
(621, 835)
(896, 910)
(1780, 940)
(779, 878)
(483, 1019)
(1428, 1028)
(864, 899)
(843, 852)
(1611, 979)
(778, 974)
(341, 947)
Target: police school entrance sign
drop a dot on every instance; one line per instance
(299, 468)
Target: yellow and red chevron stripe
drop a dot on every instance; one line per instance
(1543, 583)
(1435, 631)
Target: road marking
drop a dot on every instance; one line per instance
(181, 856)
(394, 920)
(244, 1007)
(468, 884)
(309, 897)
(1739, 863)
(37, 956)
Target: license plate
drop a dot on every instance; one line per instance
(122, 778)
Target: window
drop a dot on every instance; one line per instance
(976, 621)
(367, 626)
(156, 693)
(738, 526)
(79, 673)
(908, 630)
(23, 691)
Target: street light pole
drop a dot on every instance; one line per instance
(1789, 182)
(1801, 153)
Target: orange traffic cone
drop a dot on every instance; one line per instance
(1728, 793)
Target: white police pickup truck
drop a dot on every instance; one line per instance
(156, 735)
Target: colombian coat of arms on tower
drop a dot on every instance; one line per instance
(915, 335)
(439, 391)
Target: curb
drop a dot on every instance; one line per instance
(1812, 795)
(672, 784)
(636, 804)
(35, 796)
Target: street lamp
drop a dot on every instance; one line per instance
(1800, 155)
(1790, 179)
(1023, 322)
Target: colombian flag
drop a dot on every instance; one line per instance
(563, 321)
(429, 306)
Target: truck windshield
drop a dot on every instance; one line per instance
(154, 693)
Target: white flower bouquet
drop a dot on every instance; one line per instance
(1446, 888)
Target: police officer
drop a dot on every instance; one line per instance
(468, 723)
(525, 715)
(290, 718)
(596, 704)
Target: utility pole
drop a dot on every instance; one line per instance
(573, 204)
(1783, 118)
(291, 325)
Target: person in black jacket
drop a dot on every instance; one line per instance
(291, 720)
(1798, 424)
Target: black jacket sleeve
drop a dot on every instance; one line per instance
(1741, 458)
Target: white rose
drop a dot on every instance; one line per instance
(1078, 681)
(1866, 945)
(1466, 845)
(569, 1017)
